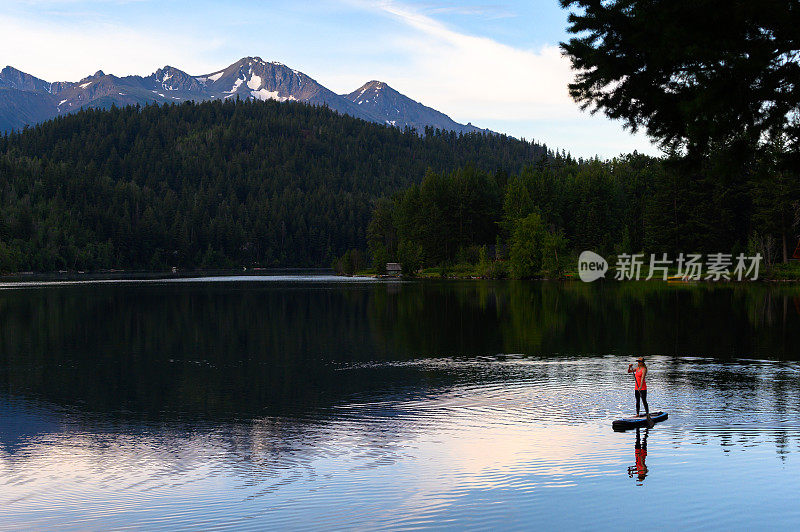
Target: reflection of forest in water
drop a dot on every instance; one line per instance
(753, 320)
(245, 350)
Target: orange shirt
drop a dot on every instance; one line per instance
(639, 375)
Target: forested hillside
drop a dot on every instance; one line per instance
(543, 217)
(216, 184)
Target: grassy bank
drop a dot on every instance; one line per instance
(783, 272)
(500, 270)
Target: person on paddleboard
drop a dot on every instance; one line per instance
(640, 374)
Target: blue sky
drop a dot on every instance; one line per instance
(496, 65)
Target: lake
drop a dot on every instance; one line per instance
(319, 402)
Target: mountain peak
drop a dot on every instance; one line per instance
(12, 78)
(172, 79)
(399, 110)
(374, 85)
(253, 60)
(8, 70)
(252, 77)
(370, 91)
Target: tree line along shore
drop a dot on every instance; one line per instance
(265, 184)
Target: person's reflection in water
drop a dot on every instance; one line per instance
(640, 449)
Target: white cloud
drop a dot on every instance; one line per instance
(70, 51)
(478, 79)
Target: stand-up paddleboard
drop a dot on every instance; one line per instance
(637, 421)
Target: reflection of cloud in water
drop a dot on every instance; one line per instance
(501, 429)
(426, 464)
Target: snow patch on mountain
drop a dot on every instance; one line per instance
(212, 78)
(265, 95)
(254, 82)
(236, 85)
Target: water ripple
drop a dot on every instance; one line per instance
(507, 439)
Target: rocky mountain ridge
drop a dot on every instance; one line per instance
(27, 100)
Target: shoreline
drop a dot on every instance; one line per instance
(314, 274)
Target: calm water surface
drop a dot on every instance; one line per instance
(314, 403)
